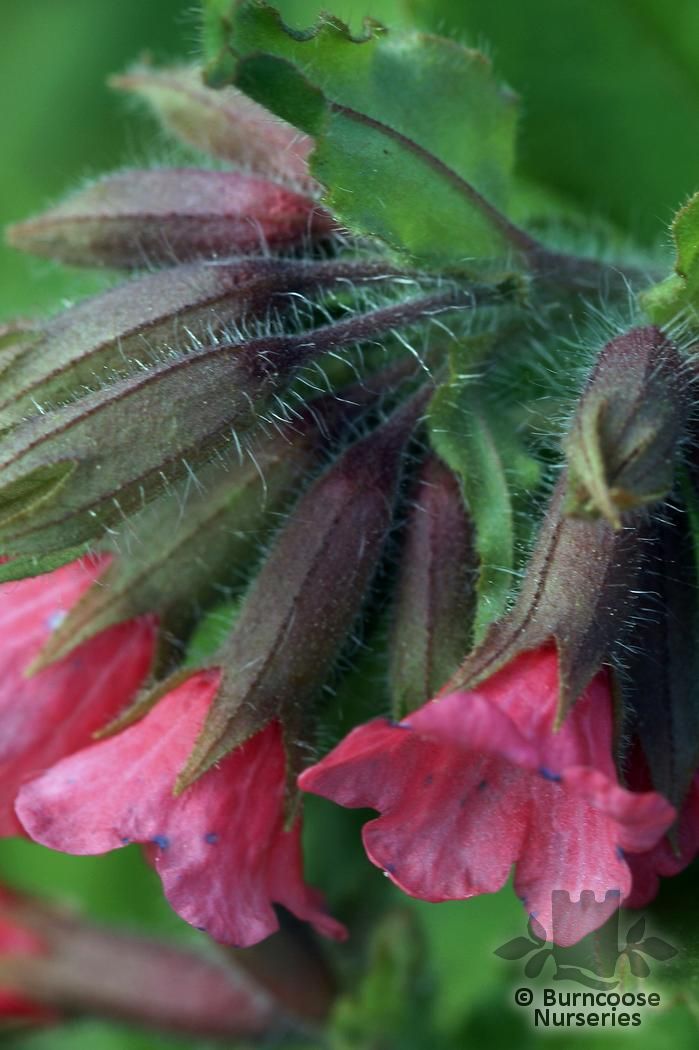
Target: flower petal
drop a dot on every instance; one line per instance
(220, 848)
(476, 781)
(571, 848)
(641, 816)
(668, 857)
(471, 721)
(31, 608)
(55, 712)
(451, 824)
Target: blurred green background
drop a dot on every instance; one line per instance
(610, 113)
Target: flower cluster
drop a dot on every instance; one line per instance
(273, 409)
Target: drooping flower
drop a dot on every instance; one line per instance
(221, 848)
(477, 781)
(56, 711)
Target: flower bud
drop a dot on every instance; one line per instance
(65, 964)
(15, 337)
(225, 123)
(307, 596)
(584, 575)
(435, 601)
(16, 332)
(68, 475)
(293, 968)
(124, 330)
(578, 591)
(661, 667)
(136, 219)
(20, 946)
(622, 443)
(208, 537)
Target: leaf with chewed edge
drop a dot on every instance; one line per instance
(386, 152)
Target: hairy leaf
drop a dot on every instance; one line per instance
(611, 92)
(146, 319)
(680, 291)
(481, 446)
(386, 148)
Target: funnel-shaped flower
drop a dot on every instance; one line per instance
(54, 713)
(477, 781)
(221, 848)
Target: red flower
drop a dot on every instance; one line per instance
(220, 848)
(473, 783)
(56, 711)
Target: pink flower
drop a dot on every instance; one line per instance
(672, 854)
(472, 783)
(221, 848)
(55, 712)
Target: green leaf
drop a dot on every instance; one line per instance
(611, 94)
(211, 632)
(680, 291)
(384, 107)
(480, 444)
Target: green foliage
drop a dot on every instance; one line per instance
(611, 90)
(381, 152)
(104, 1035)
(211, 632)
(680, 291)
(63, 122)
(479, 441)
(391, 1007)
